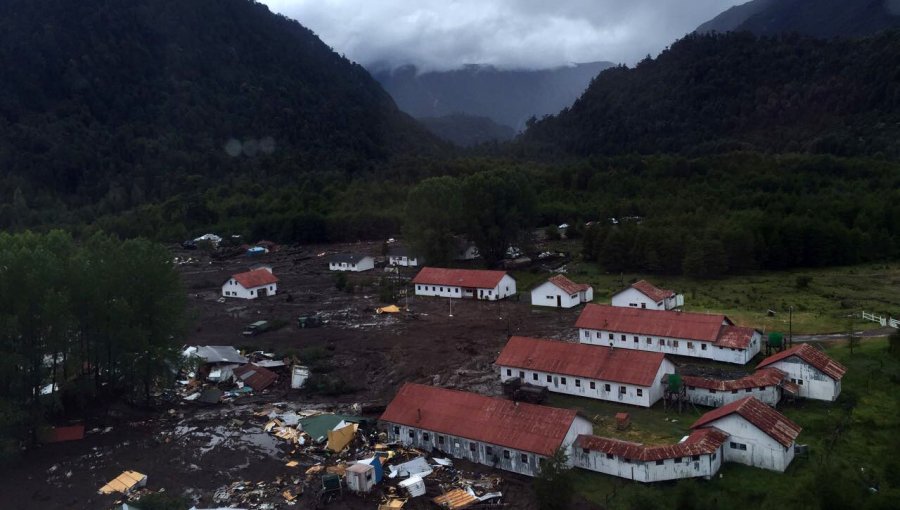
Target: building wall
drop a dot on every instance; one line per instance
(668, 345)
(713, 398)
(396, 260)
(751, 446)
(232, 288)
(813, 383)
(652, 471)
(632, 298)
(581, 386)
(546, 295)
(506, 287)
(364, 264)
(493, 455)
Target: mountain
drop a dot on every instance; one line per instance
(508, 97)
(816, 18)
(467, 130)
(140, 100)
(721, 92)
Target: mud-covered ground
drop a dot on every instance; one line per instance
(197, 451)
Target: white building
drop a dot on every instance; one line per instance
(464, 283)
(350, 262)
(561, 292)
(508, 435)
(817, 375)
(400, 256)
(466, 250)
(617, 375)
(251, 284)
(765, 385)
(698, 455)
(685, 334)
(759, 436)
(643, 294)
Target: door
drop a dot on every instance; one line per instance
(558, 301)
(262, 292)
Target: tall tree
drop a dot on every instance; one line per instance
(434, 215)
(498, 206)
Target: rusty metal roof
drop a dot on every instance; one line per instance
(255, 278)
(813, 356)
(701, 442)
(627, 366)
(471, 278)
(525, 427)
(763, 417)
(758, 379)
(256, 377)
(456, 499)
(736, 337)
(651, 291)
(567, 285)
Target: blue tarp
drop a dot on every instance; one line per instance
(379, 471)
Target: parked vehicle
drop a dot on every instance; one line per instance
(309, 321)
(257, 328)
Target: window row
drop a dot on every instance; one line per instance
(564, 381)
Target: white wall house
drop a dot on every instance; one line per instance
(645, 295)
(685, 334)
(350, 262)
(765, 385)
(251, 284)
(400, 256)
(759, 436)
(816, 375)
(561, 292)
(466, 251)
(464, 283)
(617, 375)
(507, 435)
(698, 455)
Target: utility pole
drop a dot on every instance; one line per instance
(451, 306)
(791, 326)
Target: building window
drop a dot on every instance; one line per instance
(713, 456)
(578, 383)
(712, 391)
(649, 341)
(593, 385)
(562, 380)
(733, 391)
(640, 392)
(623, 338)
(587, 334)
(549, 378)
(748, 390)
(702, 347)
(742, 446)
(524, 458)
(471, 447)
(643, 305)
(456, 290)
(585, 451)
(800, 382)
(396, 430)
(606, 387)
(695, 457)
(610, 336)
(412, 434)
(635, 339)
(521, 374)
(488, 450)
(534, 376)
(677, 460)
(505, 454)
(621, 390)
(610, 456)
(675, 343)
(425, 436)
(690, 345)
(440, 439)
(549, 297)
(508, 371)
(660, 462)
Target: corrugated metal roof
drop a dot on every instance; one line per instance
(627, 366)
(517, 425)
(255, 278)
(471, 278)
(714, 328)
(763, 417)
(758, 379)
(219, 354)
(456, 499)
(256, 377)
(813, 356)
(567, 285)
(651, 291)
(350, 258)
(701, 442)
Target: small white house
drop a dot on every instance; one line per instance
(351, 262)
(765, 385)
(643, 294)
(759, 436)
(514, 436)
(814, 372)
(464, 283)
(616, 375)
(561, 292)
(251, 284)
(400, 256)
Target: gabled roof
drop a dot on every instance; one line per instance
(255, 278)
(400, 251)
(472, 278)
(219, 354)
(350, 258)
(769, 421)
(813, 356)
(627, 366)
(256, 377)
(758, 379)
(651, 291)
(517, 425)
(567, 285)
(703, 441)
(715, 328)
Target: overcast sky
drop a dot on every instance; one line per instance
(445, 34)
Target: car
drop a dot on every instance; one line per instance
(257, 328)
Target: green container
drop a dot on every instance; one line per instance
(674, 383)
(331, 482)
(776, 339)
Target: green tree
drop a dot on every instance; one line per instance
(434, 215)
(554, 484)
(498, 206)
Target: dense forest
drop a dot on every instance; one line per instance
(718, 93)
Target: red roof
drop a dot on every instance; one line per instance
(771, 422)
(567, 285)
(627, 366)
(525, 427)
(60, 434)
(471, 278)
(714, 328)
(651, 291)
(255, 278)
(813, 356)
(701, 442)
(758, 379)
(258, 378)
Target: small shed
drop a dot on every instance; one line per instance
(414, 485)
(360, 477)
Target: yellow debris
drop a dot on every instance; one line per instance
(124, 482)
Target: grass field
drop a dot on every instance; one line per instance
(822, 299)
(853, 459)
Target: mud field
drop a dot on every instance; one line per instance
(199, 452)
